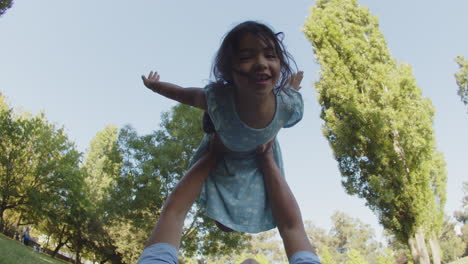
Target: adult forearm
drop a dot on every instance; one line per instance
(283, 204)
(284, 208)
(171, 221)
(189, 187)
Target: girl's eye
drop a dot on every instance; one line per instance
(271, 56)
(244, 58)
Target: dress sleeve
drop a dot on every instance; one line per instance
(304, 257)
(294, 105)
(212, 103)
(159, 253)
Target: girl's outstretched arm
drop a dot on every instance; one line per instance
(189, 96)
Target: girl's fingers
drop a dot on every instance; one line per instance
(152, 76)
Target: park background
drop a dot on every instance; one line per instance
(80, 62)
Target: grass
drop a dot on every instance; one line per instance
(13, 252)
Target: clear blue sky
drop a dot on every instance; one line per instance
(81, 62)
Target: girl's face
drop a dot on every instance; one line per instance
(256, 67)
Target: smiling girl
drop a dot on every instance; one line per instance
(254, 95)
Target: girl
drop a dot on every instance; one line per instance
(254, 94)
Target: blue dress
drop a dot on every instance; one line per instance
(234, 193)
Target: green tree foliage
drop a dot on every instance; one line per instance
(451, 244)
(326, 256)
(346, 234)
(462, 79)
(102, 165)
(352, 233)
(462, 217)
(385, 257)
(35, 159)
(355, 257)
(4, 5)
(268, 244)
(103, 162)
(377, 122)
(60, 213)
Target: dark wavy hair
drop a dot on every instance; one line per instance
(223, 63)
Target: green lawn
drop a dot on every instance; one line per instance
(13, 252)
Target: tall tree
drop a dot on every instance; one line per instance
(102, 163)
(378, 124)
(462, 217)
(355, 257)
(451, 244)
(58, 212)
(32, 152)
(4, 5)
(347, 233)
(462, 79)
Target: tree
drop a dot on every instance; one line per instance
(269, 245)
(326, 256)
(386, 257)
(462, 217)
(355, 257)
(462, 79)
(346, 234)
(4, 5)
(378, 124)
(33, 153)
(58, 212)
(103, 163)
(451, 244)
(353, 234)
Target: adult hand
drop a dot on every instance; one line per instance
(265, 150)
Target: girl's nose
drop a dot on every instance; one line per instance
(261, 62)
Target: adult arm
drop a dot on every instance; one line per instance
(169, 226)
(284, 207)
(189, 96)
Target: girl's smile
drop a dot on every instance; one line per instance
(257, 67)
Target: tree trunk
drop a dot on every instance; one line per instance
(1, 218)
(59, 246)
(77, 257)
(421, 243)
(419, 249)
(414, 250)
(435, 249)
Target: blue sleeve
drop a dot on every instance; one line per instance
(159, 253)
(294, 105)
(212, 98)
(304, 257)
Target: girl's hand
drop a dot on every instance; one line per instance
(295, 80)
(152, 81)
